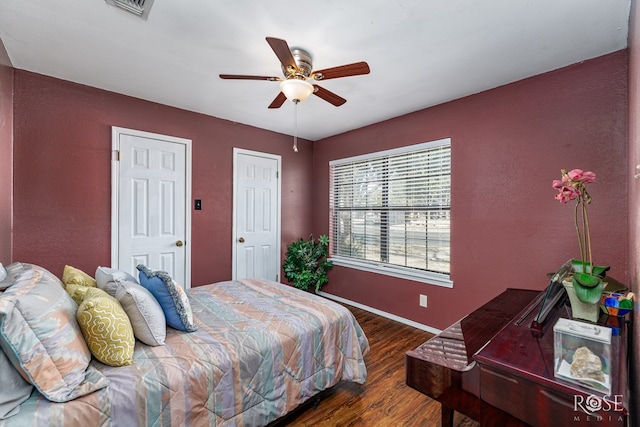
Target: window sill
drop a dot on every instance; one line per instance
(395, 271)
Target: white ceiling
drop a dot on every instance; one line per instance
(421, 52)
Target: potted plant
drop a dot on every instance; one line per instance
(586, 286)
(306, 263)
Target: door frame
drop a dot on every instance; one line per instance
(234, 232)
(115, 193)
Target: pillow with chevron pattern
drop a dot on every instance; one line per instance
(15, 389)
(105, 326)
(40, 336)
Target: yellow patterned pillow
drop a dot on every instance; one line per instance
(77, 292)
(106, 328)
(72, 275)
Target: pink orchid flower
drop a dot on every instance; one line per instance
(560, 184)
(572, 185)
(581, 176)
(566, 193)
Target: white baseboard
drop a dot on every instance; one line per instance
(381, 313)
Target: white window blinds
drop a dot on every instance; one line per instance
(392, 208)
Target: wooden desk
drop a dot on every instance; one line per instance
(517, 377)
(443, 367)
(509, 382)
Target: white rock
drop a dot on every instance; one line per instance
(585, 364)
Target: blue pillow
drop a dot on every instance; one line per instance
(173, 300)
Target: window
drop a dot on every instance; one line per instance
(390, 212)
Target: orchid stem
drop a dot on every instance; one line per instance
(580, 237)
(585, 219)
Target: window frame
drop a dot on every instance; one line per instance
(415, 274)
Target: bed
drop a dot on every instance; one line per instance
(259, 350)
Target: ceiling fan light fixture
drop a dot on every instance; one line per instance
(296, 89)
(297, 67)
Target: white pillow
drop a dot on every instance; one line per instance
(144, 311)
(108, 279)
(3, 273)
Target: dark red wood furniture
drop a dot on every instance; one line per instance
(517, 376)
(443, 367)
(510, 380)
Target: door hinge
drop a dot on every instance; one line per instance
(277, 174)
(277, 277)
(116, 155)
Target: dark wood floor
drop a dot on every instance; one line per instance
(384, 400)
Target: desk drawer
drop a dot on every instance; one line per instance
(538, 405)
(507, 393)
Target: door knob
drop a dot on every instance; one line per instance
(179, 243)
(241, 240)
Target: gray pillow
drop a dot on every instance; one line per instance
(144, 311)
(108, 279)
(15, 389)
(7, 275)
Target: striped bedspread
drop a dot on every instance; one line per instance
(262, 349)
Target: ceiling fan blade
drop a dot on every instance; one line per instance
(277, 103)
(243, 77)
(355, 69)
(282, 51)
(328, 96)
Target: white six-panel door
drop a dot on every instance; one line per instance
(256, 245)
(152, 203)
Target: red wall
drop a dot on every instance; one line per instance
(62, 151)
(6, 154)
(634, 196)
(508, 144)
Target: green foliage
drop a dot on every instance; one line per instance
(306, 264)
(587, 280)
(588, 288)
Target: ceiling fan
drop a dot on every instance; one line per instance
(298, 71)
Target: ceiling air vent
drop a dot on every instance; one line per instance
(137, 7)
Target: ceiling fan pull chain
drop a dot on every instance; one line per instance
(295, 125)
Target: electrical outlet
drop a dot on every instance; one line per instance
(423, 300)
